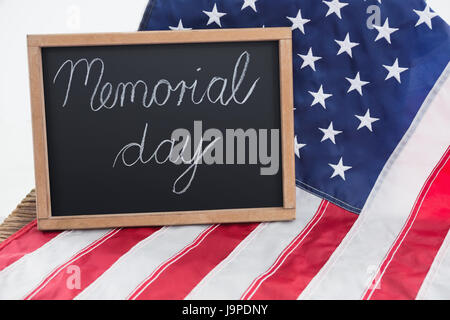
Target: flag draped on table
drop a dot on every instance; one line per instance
(372, 111)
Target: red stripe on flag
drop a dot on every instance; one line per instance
(24, 241)
(176, 277)
(304, 256)
(89, 264)
(407, 263)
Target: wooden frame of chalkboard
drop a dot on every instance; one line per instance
(46, 221)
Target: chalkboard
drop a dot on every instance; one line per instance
(157, 128)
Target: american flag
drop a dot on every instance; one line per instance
(372, 138)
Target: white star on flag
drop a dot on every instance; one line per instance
(356, 84)
(214, 16)
(339, 169)
(320, 97)
(346, 45)
(385, 31)
(366, 121)
(335, 6)
(309, 60)
(298, 22)
(298, 146)
(249, 3)
(394, 71)
(425, 16)
(329, 133)
(179, 27)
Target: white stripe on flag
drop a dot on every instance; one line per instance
(436, 285)
(255, 254)
(137, 264)
(24, 275)
(352, 266)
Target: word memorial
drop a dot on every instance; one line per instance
(162, 127)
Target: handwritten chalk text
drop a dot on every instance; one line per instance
(107, 96)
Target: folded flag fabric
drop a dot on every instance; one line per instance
(397, 248)
(357, 87)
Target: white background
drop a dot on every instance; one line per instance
(20, 17)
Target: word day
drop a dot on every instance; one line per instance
(105, 96)
(206, 148)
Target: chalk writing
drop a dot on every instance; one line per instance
(180, 150)
(104, 95)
